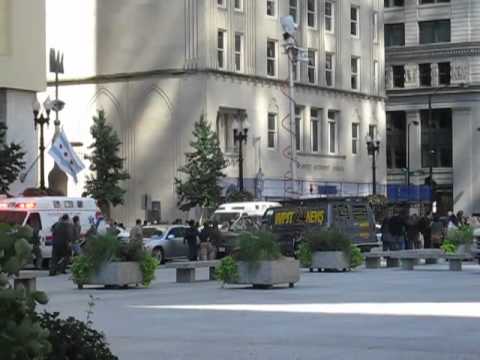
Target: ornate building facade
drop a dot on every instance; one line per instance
(433, 56)
(156, 67)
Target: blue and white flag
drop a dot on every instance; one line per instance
(65, 157)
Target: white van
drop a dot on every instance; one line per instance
(43, 212)
(231, 212)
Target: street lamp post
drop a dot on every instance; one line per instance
(415, 123)
(240, 136)
(373, 147)
(40, 118)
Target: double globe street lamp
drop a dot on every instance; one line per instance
(373, 147)
(41, 117)
(240, 136)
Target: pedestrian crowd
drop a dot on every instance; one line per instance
(400, 231)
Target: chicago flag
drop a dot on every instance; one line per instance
(65, 157)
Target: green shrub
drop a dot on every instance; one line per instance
(448, 247)
(328, 239)
(461, 236)
(227, 272)
(73, 339)
(101, 249)
(148, 265)
(258, 246)
(82, 269)
(356, 257)
(304, 254)
(21, 335)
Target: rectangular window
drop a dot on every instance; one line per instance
(372, 131)
(437, 136)
(298, 127)
(444, 73)
(272, 8)
(375, 27)
(329, 17)
(396, 144)
(222, 3)
(329, 70)
(312, 66)
(425, 74)
(315, 128)
(332, 132)
(394, 34)
(355, 136)
(376, 80)
(355, 73)
(355, 21)
(312, 13)
(394, 3)
(295, 71)
(398, 76)
(293, 10)
(436, 31)
(221, 47)
(271, 58)
(238, 4)
(239, 52)
(272, 130)
(424, 2)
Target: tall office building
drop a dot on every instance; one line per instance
(22, 74)
(156, 67)
(433, 55)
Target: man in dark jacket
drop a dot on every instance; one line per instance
(191, 238)
(63, 235)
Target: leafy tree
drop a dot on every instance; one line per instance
(11, 163)
(106, 166)
(203, 169)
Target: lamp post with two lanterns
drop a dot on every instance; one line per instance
(240, 136)
(373, 147)
(41, 117)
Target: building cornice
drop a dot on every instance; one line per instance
(451, 90)
(118, 77)
(464, 49)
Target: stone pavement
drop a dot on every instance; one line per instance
(430, 313)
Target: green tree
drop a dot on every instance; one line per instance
(203, 169)
(106, 166)
(11, 163)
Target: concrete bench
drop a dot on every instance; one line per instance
(409, 258)
(25, 281)
(186, 269)
(373, 259)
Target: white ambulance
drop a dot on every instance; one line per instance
(43, 212)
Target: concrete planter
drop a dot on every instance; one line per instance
(330, 260)
(116, 274)
(269, 273)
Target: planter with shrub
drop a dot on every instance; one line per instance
(109, 262)
(458, 241)
(328, 249)
(258, 261)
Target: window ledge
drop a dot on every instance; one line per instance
(325, 156)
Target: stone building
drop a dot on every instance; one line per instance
(22, 74)
(433, 52)
(156, 67)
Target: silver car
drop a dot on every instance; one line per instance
(166, 242)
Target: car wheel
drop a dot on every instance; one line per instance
(159, 255)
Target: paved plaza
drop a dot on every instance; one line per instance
(429, 313)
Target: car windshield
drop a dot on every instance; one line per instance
(151, 231)
(223, 217)
(12, 217)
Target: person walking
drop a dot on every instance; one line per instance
(77, 231)
(204, 241)
(396, 227)
(412, 232)
(191, 238)
(386, 238)
(437, 232)
(62, 233)
(136, 233)
(425, 228)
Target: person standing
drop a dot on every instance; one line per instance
(62, 233)
(396, 227)
(412, 232)
(191, 238)
(386, 239)
(437, 232)
(136, 233)
(77, 231)
(204, 241)
(425, 227)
